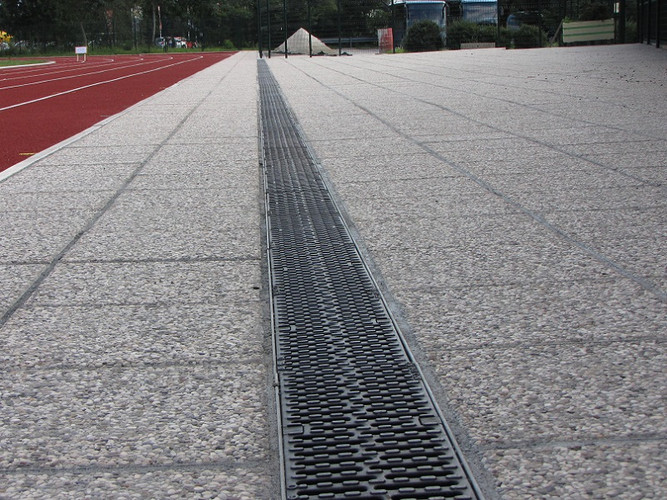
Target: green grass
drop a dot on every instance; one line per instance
(18, 62)
(14, 57)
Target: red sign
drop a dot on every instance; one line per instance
(386, 39)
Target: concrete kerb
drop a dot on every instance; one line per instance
(94, 128)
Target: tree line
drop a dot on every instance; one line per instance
(137, 23)
(127, 23)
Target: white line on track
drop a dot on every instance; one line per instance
(143, 62)
(14, 169)
(56, 66)
(70, 91)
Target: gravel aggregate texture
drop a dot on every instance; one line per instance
(135, 362)
(511, 204)
(514, 205)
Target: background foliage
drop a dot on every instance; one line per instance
(125, 24)
(423, 36)
(115, 25)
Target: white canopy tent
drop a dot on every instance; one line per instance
(298, 44)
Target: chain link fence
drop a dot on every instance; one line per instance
(541, 23)
(328, 27)
(652, 22)
(128, 25)
(339, 27)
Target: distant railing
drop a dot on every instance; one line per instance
(588, 31)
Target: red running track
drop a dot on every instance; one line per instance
(43, 105)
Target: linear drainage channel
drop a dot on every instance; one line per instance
(356, 417)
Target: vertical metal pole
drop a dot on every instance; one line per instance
(285, 24)
(310, 32)
(621, 21)
(498, 23)
(640, 21)
(393, 27)
(268, 17)
(658, 20)
(539, 21)
(648, 23)
(340, 49)
(259, 28)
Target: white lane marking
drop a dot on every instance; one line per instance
(70, 91)
(79, 75)
(61, 66)
(25, 66)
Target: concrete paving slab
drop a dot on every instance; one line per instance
(15, 279)
(230, 177)
(488, 264)
(136, 348)
(211, 155)
(135, 361)
(45, 200)
(620, 224)
(50, 232)
(57, 179)
(169, 224)
(196, 481)
(522, 314)
(125, 153)
(545, 340)
(146, 415)
(640, 197)
(51, 337)
(131, 282)
(398, 167)
(581, 470)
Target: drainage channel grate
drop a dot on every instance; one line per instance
(356, 417)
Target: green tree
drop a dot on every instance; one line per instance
(423, 36)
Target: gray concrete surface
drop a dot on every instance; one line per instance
(513, 202)
(134, 360)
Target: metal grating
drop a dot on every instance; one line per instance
(357, 420)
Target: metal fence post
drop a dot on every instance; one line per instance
(285, 25)
(648, 23)
(268, 17)
(658, 22)
(393, 27)
(340, 48)
(259, 28)
(310, 31)
(498, 8)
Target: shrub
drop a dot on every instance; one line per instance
(228, 45)
(466, 32)
(595, 12)
(630, 32)
(423, 36)
(528, 36)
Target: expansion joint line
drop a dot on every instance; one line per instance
(357, 419)
(644, 283)
(46, 272)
